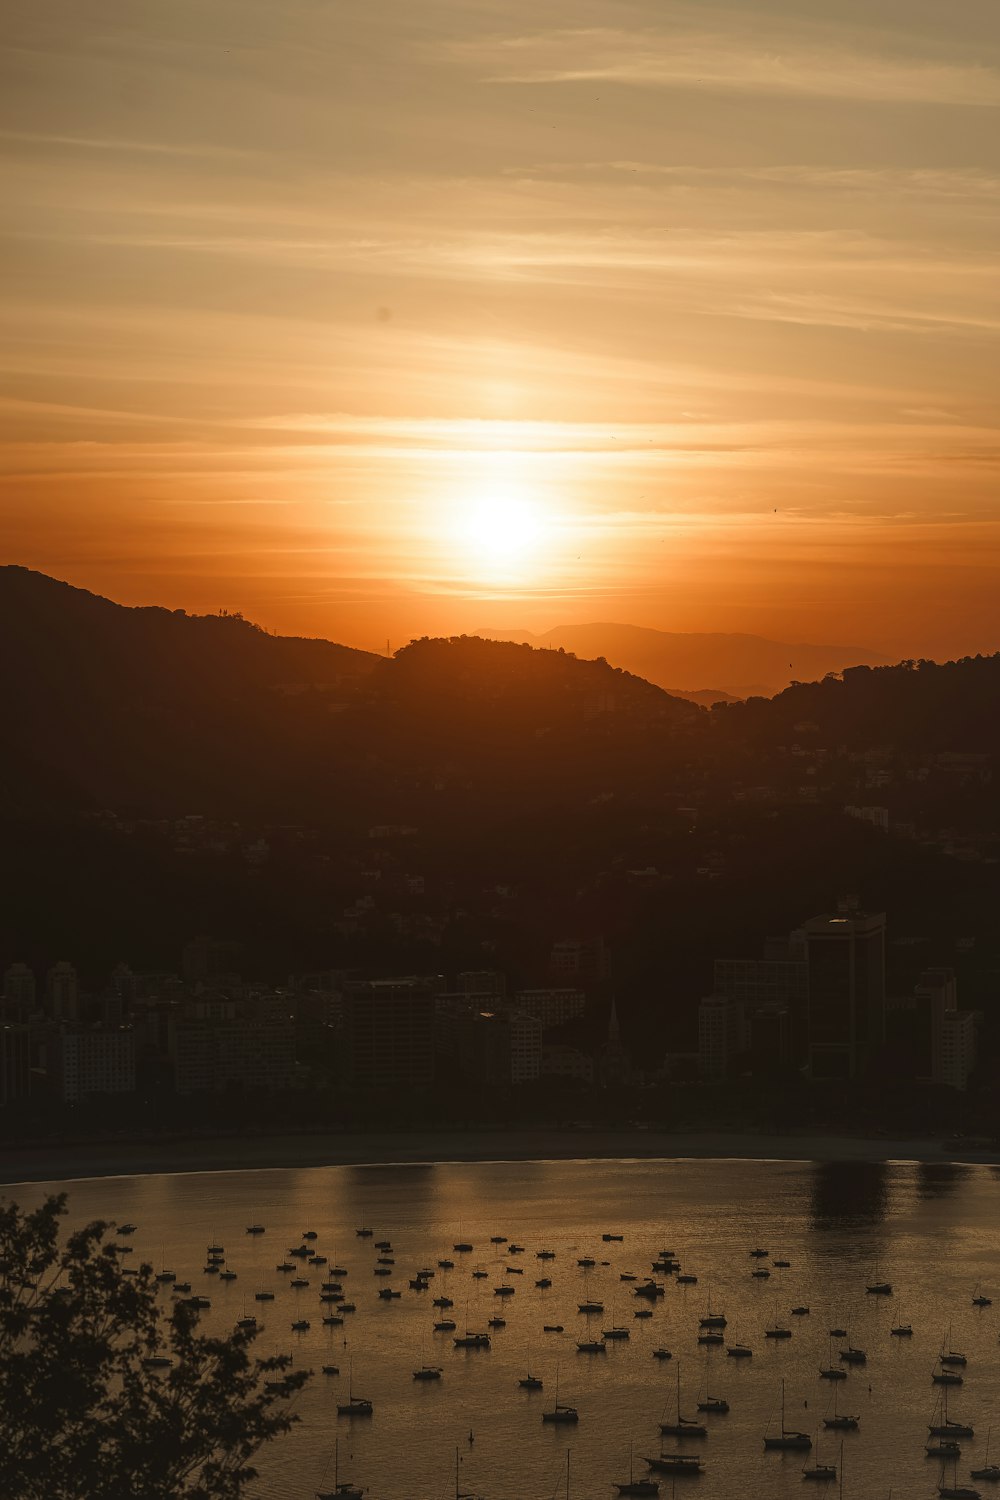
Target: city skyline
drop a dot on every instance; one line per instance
(372, 325)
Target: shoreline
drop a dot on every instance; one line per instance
(30, 1165)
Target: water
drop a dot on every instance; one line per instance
(930, 1230)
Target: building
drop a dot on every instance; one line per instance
(15, 1063)
(389, 1031)
(777, 982)
(721, 1036)
(957, 1056)
(580, 958)
(845, 954)
(19, 988)
(488, 982)
(559, 1061)
(93, 1060)
(62, 993)
(552, 1007)
(235, 1052)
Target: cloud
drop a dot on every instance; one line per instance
(754, 62)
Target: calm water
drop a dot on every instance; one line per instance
(931, 1230)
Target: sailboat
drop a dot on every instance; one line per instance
(637, 1486)
(948, 1427)
(901, 1330)
(822, 1473)
(684, 1426)
(879, 1288)
(462, 1494)
(978, 1300)
(530, 1382)
(951, 1356)
(956, 1491)
(840, 1422)
(354, 1406)
(341, 1489)
(560, 1412)
(718, 1405)
(832, 1371)
(987, 1470)
(786, 1438)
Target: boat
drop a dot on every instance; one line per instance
(643, 1312)
(309, 1234)
(497, 1323)
(157, 1362)
(712, 1319)
(472, 1341)
(354, 1406)
(986, 1469)
(662, 1354)
(299, 1282)
(364, 1234)
(514, 1270)
(615, 1332)
(545, 1255)
(498, 1239)
(587, 1262)
(530, 1383)
(446, 1265)
(333, 1320)
(676, 1463)
(126, 1229)
(609, 1238)
(739, 1351)
(715, 1405)
(552, 1328)
(504, 1291)
(758, 1254)
(782, 1265)
(832, 1371)
(387, 1294)
(590, 1307)
(166, 1276)
(255, 1229)
(879, 1288)
(951, 1356)
(301, 1325)
(687, 1280)
(592, 1346)
(428, 1372)
(649, 1288)
(761, 1275)
(445, 1325)
(711, 1338)
(628, 1276)
(544, 1281)
(777, 1331)
(823, 1473)
(331, 1369)
(800, 1312)
(227, 1275)
(263, 1296)
(978, 1300)
(852, 1356)
(946, 1377)
(683, 1426)
(561, 1413)
(247, 1322)
(637, 1486)
(901, 1330)
(516, 1249)
(943, 1448)
(462, 1248)
(785, 1438)
(956, 1491)
(840, 1422)
(341, 1489)
(443, 1302)
(838, 1333)
(949, 1427)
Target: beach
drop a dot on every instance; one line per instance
(60, 1163)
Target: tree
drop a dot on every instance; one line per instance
(82, 1413)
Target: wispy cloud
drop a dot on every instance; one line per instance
(754, 62)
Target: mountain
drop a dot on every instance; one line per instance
(155, 712)
(742, 665)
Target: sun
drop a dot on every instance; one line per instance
(501, 530)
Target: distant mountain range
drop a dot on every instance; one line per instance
(682, 663)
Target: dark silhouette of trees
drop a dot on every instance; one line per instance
(83, 1417)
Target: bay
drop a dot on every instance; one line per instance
(929, 1229)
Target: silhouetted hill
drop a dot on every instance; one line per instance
(914, 707)
(154, 712)
(742, 664)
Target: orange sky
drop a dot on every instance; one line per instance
(373, 320)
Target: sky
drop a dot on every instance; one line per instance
(419, 316)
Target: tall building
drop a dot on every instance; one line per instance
(19, 987)
(721, 1035)
(93, 1060)
(957, 1057)
(15, 1062)
(845, 953)
(62, 993)
(490, 982)
(389, 1026)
